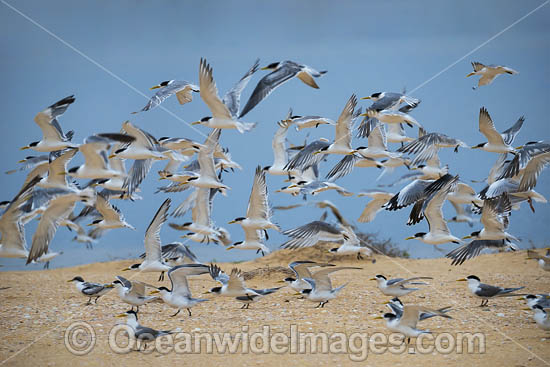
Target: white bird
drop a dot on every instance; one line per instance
(304, 122)
(301, 271)
(179, 296)
(12, 241)
(202, 223)
(232, 285)
(96, 161)
(181, 88)
(496, 142)
(377, 147)
(57, 177)
(52, 135)
(258, 213)
(282, 72)
(342, 135)
(91, 290)
(153, 253)
(253, 240)
(431, 208)
(428, 145)
(59, 208)
(379, 198)
(111, 216)
(390, 101)
(486, 291)
(528, 164)
(321, 287)
(132, 292)
(406, 324)
(311, 233)
(142, 334)
(207, 177)
(226, 112)
(543, 261)
(280, 154)
(495, 219)
(397, 287)
(352, 246)
(489, 72)
(541, 318)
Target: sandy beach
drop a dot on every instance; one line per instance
(37, 308)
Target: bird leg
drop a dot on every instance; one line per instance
(89, 301)
(242, 307)
(161, 277)
(95, 301)
(359, 257)
(263, 253)
(189, 311)
(324, 303)
(257, 251)
(176, 313)
(530, 201)
(319, 305)
(137, 308)
(266, 235)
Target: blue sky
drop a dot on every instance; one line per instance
(125, 47)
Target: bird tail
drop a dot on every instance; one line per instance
(510, 290)
(245, 126)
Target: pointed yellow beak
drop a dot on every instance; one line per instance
(519, 299)
(520, 147)
(22, 161)
(89, 224)
(196, 123)
(526, 309)
(154, 292)
(112, 156)
(68, 281)
(207, 292)
(366, 98)
(24, 148)
(229, 248)
(281, 281)
(462, 280)
(233, 221)
(155, 87)
(470, 74)
(352, 152)
(466, 237)
(61, 173)
(108, 286)
(125, 269)
(162, 178)
(264, 68)
(372, 279)
(378, 318)
(410, 238)
(121, 315)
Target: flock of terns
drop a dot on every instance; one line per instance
(51, 192)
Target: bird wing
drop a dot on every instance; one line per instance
(58, 209)
(165, 92)
(269, 83)
(137, 174)
(236, 280)
(487, 128)
(308, 234)
(306, 77)
(152, 234)
(373, 207)
(433, 210)
(306, 158)
(58, 165)
(301, 268)
(206, 155)
(232, 98)
(472, 249)
(342, 135)
(209, 92)
(408, 195)
(532, 171)
(258, 204)
(510, 134)
(218, 275)
(201, 211)
(106, 209)
(280, 155)
(495, 213)
(178, 277)
(322, 280)
(47, 119)
(477, 66)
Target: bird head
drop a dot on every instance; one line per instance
(76, 279)
(163, 84)
(272, 66)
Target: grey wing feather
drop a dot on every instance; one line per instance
(232, 98)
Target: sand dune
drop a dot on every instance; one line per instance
(38, 306)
